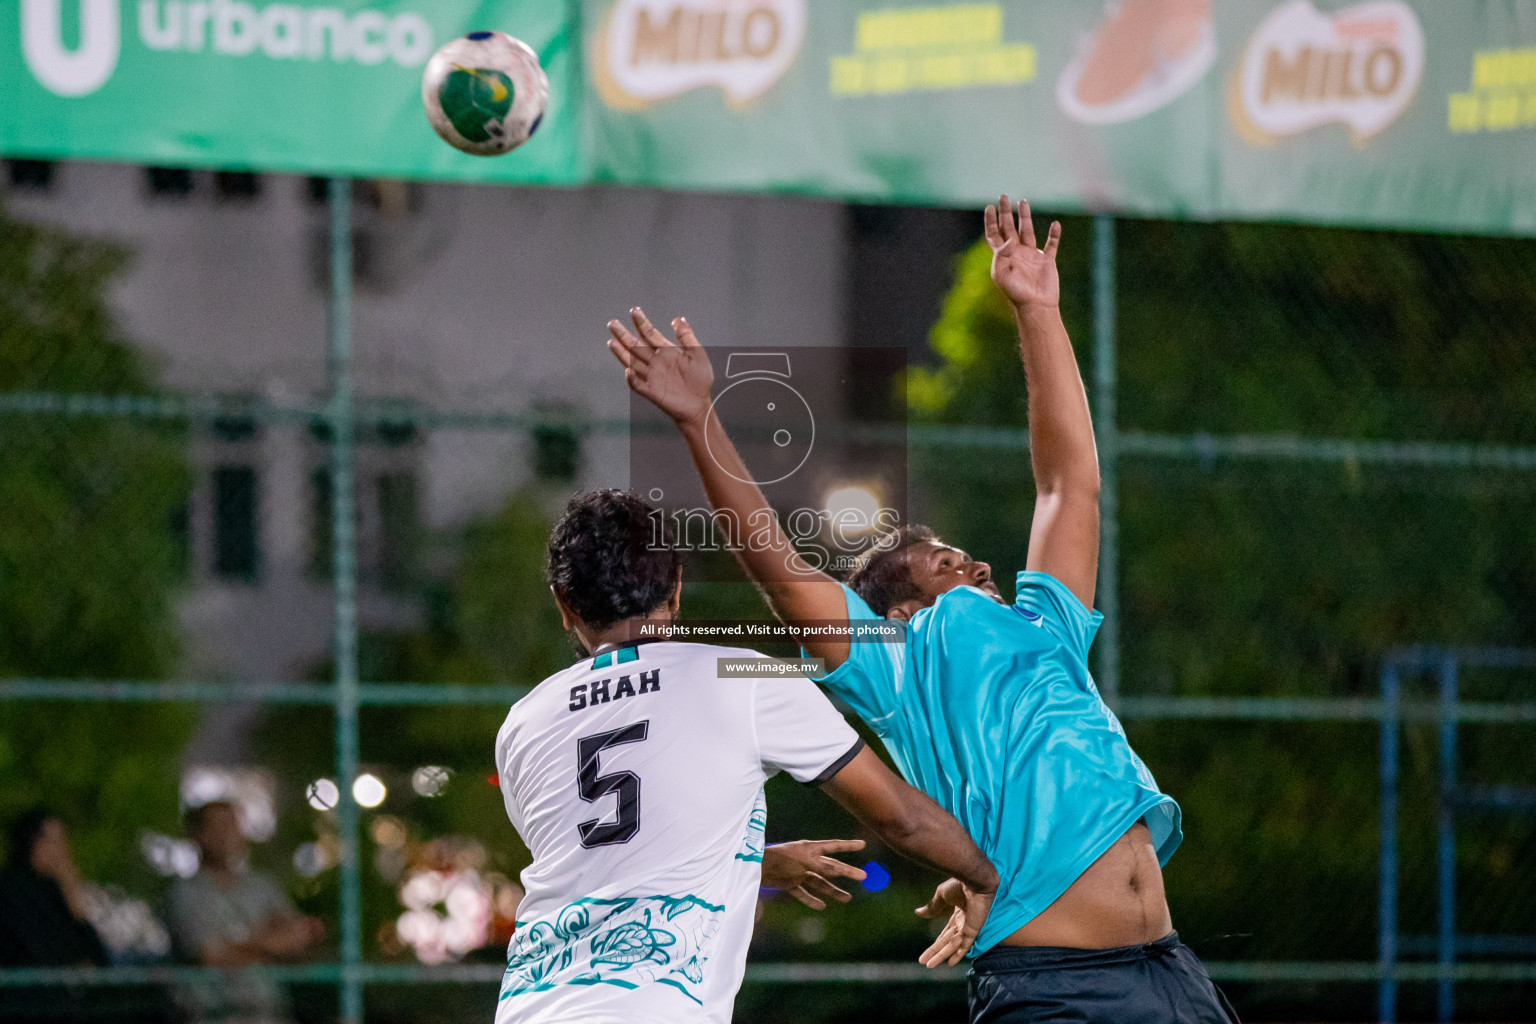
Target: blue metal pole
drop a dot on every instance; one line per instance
(1386, 993)
(1108, 435)
(1447, 836)
(344, 571)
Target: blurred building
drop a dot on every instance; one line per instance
(469, 299)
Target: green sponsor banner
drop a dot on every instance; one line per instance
(1405, 113)
(1418, 114)
(331, 87)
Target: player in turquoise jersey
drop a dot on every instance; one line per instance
(987, 706)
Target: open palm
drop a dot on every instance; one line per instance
(963, 911)
(1025, 274)
(676, 377)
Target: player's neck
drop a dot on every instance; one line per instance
(625, 631)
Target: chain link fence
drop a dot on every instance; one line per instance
(1319, 455)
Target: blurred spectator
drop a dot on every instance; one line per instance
(227, 915)
(42, 905)
(42, 919)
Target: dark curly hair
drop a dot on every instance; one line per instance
(883, 576)
(604, 561)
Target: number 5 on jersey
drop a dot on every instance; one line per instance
(592, 786)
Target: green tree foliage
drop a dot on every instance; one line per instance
(1289, 578)
(89, 561)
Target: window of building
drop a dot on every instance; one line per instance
(236, 548)
(394, 198)
(236, 185)
(321, 549)
(395, 433)
(366, 262)
(180, 528)
(387, 514)
(31, 175)
(384, 194)
(169, 182)
(399, 540)
(234, 427)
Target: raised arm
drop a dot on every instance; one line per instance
(677, 377)
(916, 827)
(1064, 537)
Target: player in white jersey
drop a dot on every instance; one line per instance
(636, 778)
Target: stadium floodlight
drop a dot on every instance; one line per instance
(368, 790)
(854, 507)
(323, 794)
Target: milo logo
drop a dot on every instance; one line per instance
(649, 50)
(230, 28)
(1358, 66)
(475, 100)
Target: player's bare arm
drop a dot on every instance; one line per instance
(805, 869)
(913, 825)
(1064, 536)
(677, 377)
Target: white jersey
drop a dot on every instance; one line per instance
(636, 779)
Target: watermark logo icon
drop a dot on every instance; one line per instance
(66, 72)
(768, 413)
(822, 431)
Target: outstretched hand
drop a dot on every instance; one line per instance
(674, 376)
(804, 869)
(967, 910)
(1025, 274)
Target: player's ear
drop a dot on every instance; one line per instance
(676, 600)
(904, 611)
(568, 619)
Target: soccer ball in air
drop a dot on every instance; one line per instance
(485, 93)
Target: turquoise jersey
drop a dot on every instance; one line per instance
(990, 709)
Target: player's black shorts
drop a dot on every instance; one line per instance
(1160, 982)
